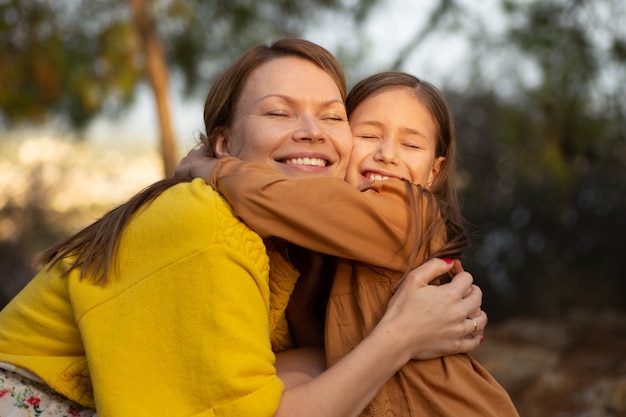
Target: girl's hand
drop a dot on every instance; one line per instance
(196, 164)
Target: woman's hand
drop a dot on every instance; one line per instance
(421, 322)
(196, 164)
(433, 321)
(457, 268)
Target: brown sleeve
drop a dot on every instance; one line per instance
(323, 214)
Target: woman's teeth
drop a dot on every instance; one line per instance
(307, 161)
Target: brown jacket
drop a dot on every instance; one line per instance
(373, 234)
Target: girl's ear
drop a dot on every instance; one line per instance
(439, 161)
(222, 142)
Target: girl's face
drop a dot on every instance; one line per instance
(291, 116)
(394, 137)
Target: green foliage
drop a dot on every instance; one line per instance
(75, 59)
(203, 39)
(61, 58)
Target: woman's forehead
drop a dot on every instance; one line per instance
(291, 77)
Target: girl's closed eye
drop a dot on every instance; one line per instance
(412, 145)
(372, 136)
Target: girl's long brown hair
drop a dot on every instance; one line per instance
(93, 249)
(439, 203)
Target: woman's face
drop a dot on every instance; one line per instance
(394, 137)
(291, 116)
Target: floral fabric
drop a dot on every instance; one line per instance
(23, 397)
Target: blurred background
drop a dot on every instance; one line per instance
(100, 98)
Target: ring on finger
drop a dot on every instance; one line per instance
(475, 325)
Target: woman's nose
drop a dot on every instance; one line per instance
(309, 129)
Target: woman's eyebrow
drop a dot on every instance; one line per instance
(292, 100)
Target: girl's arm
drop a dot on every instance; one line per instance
(323, 214)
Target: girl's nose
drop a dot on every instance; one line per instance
(386, 152)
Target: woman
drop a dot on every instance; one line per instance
(165, 306)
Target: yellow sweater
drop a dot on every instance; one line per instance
(184, 328)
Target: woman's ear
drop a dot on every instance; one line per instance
(222, 142)
(439, 162)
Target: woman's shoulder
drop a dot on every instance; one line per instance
(192, 212)
(189, 200)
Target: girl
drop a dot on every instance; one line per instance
(403, 162)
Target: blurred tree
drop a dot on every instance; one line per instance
(76, 59)
(63, 58)
(543, 147)
(159, 82)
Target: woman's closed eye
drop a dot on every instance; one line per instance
(334, 117)
(277, 113)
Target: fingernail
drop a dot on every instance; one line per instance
(447, 260)
(481, 339)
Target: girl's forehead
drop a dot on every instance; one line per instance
(385, 91)
(390, 101)
(398, 109)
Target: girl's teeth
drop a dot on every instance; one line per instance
(373, 177)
